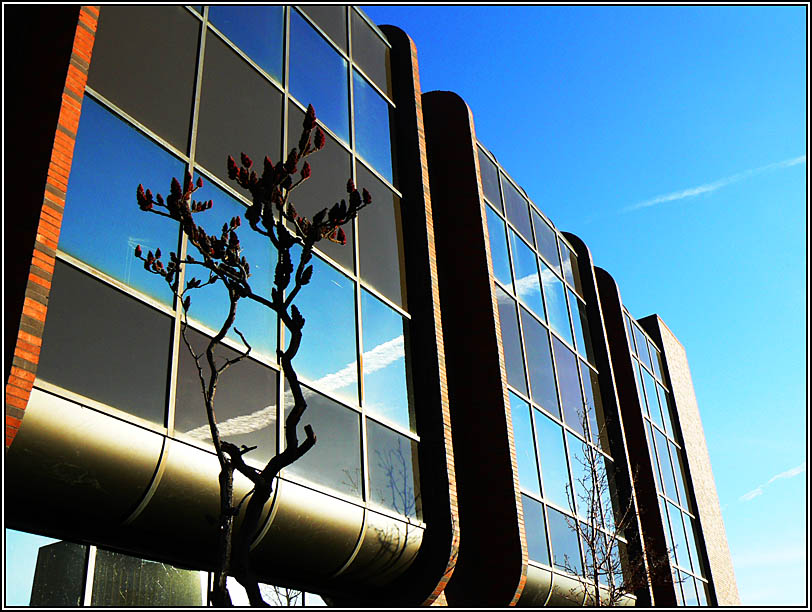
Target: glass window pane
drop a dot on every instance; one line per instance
(133, 74)
(569, 386)
(332, 166)
(697, 561)
(111, 158)
(499, 251)
(525, 267)
(525, 449)
(582, 482)
(380, 238)
(372, 130)
(654, 461)
(594, 405)
(566, 551)
(210, 304)
(318, 76)
(703, 592)
(517, 210)
(554, 474)
(667, 528)
(327, 355)
(642, 349)
(331, 18)
(545, 240)
(490, 180)
(665, 465)
(580, 326)
(384, 361)
(540, 364)
(249, 123)
(371, 53)
(678, 532)
(257, 30)
(393, 477)
(651, 398)
(42, 572)
(656, 361)
(629, 334)
(105, 345)
(556, 301)
(567, 259)
(606, 490)
(678, 577)
(122, 580)
(681, 475)
(689, 590)
(640, 393)
(535, 530)
(662, 395)
(335, 460)
(511, 344)
(245, 402)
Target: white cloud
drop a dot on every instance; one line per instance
(759, 490)
(710, 187)
(374, 359)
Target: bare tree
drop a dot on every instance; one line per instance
(613, 574)
(272, 215)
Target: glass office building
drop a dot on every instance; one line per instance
(455, 405)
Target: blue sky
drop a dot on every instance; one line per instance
(672, 140)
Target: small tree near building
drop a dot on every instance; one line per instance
(218, 260)
(604, 518)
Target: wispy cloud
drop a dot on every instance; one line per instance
(759, 490)
(374, 359)
(692, 192)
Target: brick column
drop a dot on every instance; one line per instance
(62, 57)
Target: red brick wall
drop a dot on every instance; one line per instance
(34, 298)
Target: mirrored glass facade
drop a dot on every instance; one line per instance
(353, 355)
(668, 462)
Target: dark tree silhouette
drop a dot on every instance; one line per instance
(272, 215)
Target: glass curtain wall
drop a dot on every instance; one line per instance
(554, 395)
(677, 509)
(173, 89)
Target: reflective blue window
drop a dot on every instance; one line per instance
(327, 356)
(546, 240)
(556, 301)
(567, 258)
(569, 386)
(581, 470)
(318, 76)
(210, 304)
(689, 590)
(511, 343)
(490, 180)
(702, 592)
(102, 223)
(335, 461)
(662, 395)
(517, 210)
(690, 532)
(384, 361)
(499, 251)
(680, 543)
(257, 30)
(554, 473)
(651, 398)
(566, 551)
(667, 529)
(654, 461)
(656, 361)
(641, 394)
(525, 449)
(629, 334)
(535, 530)
(579, 325)
(540, 364)
(392, 480)
(594, 406)
(665, 465)
(642, 348)
(372, 131)
(525, 267)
